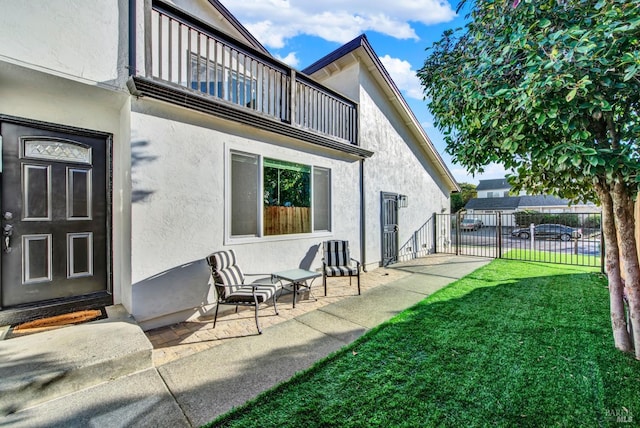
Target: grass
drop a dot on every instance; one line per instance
(512, 344)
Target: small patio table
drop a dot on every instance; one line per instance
(298, 278)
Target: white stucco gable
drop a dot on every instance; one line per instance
(405, 164)
(356, 71)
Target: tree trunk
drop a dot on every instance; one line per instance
(624, 218)
(612, 267)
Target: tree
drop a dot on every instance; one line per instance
(459, 200)
(551, 90)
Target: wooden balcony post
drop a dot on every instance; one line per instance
(292, 96)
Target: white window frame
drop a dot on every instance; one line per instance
(260, 236)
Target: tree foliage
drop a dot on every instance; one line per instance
(551, 90)
(285, 187)
(459, 200)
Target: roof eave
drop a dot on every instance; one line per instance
(238, 26)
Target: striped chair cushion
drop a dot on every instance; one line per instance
(230, 277)
(336, 253)
(340, 271)
(222, 259)
(226, 272)
(245, 294)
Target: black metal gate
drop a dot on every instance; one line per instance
(565, 238)
(389, 222)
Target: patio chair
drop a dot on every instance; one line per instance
(231, 289)
(336, 261)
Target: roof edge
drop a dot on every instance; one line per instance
(238, 26)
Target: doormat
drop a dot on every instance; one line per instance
(57, 321)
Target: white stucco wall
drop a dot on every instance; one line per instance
(180, 213)
(399, 165)
(68, 38)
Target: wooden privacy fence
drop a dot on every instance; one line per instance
(279, 220)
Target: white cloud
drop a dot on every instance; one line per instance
(275, 21)
(404, 77)
(492, 171)
(462, 176)
(291, 59)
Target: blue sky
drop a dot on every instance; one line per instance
(299, 32)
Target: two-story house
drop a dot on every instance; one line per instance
(138, 136)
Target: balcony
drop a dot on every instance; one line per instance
(239, 83)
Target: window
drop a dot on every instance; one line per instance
(224, 83)
(244, 194)
(294, 198)
(321, 199)
(287, 197)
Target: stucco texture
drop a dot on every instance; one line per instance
(180, 210)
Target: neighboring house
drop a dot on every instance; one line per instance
(488, 204)
(495, 188)
(139, 136)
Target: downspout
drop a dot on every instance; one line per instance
(363, 234)
(132, 37)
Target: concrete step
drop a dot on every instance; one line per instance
(48, 365)
(137, 400)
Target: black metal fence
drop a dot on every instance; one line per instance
(565, 238)
(421, 243)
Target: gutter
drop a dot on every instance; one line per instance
(363, 234)
(132, 37)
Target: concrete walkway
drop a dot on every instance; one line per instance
(194, 389)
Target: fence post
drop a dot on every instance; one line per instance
(602, 249)
(532, 237)
(458, 233)
(435, 233)
(499, 233)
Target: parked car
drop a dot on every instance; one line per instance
(470, 224)
(552, 231)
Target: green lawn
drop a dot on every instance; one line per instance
(513, 344)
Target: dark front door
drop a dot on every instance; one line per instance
(389, 228)
(55, 243)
